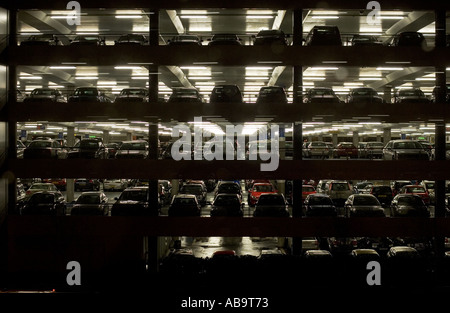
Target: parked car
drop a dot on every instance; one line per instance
(88, 40)
(339, 191)
(410, 95)
(447, 152)
(115, 184)
(45, 95)
(133, 149)
(132, 95)
(42, 40)
(20, 147)
(271, 205)
(416, 190)
(185, 94)
(323, 36)
(322, 185)
(365, 40)
(131, 39)
(257, 190)
(272, 94)
(363, 205)
(321, 95)
(345, 149)
(404, 149)
(227, 204)
(429, 186)
(88, 94)
(44, 149)
(134, 201)
(307, 190)
(112, 148)
(408, 205)
(224, 39)
(36, 187)
(371, 150)
(45, 203)
(195, 189)
(226, 93)
(364, 95)
(383, 193)
(316, 149)
(396, 185)
(318, 204)
(91, 203)
(270, 37)
(408, 39)
(184, 205)
(60, 183)
(89, 149)
(86, 184)
(185, 40)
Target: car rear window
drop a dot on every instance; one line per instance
(87, 144)
(88, 199)
(40, 144)
(384, 189)
(262, 188)
(133, 146)
(407, 145)
(271, 200)
(307, 189)
(134, 195)
(415, 189)
(42, 198)
(365, 201)
(320, 201)
(410, 201)
(226, 200)
(340, 186)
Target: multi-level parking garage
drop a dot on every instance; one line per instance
(86, 109)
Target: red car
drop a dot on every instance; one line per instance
(307, 190)
(257, 190)
(417, 190)
(60, 183)
(345, 149)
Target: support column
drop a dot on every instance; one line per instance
(297, 34)
(152, 242)
(387, 96)
(70, 182)
(297, 203)
(334, 138)
(386, 135)
(106, 137)
(355, 138)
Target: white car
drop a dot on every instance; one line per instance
(114, 184)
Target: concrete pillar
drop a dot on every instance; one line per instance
(297, 203)
(106, 137)
(334, 139)
(175, 187)
(386, 135)
(70, 182)
(387, 94)
(129, 136)
(355, 138)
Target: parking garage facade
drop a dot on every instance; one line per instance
(111, 75)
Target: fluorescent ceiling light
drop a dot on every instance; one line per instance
(31, 77)
(323, 68)
(194, 16)
(63, 67)
(127, 67)
(390, 68)
(129, 16)
(426, 78)
(87, 77)
(325, 17)
(258, 16)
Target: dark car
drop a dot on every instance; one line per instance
(408, 39)
(87, 184)
(89, 149)
(345, 149)
(134, 149)
(185, 94)
(364, 95)
(408, 205)
(224, 39)
(321, 95)
(363, 205)
(225, 204)
(38, 149)
(112, 148)
(365, 40)
(272, 94)
(410, 95)
(131, 39)
(384, 194)
(134, 201)
(270, 37)
(42, 40)
(133, 95)
(271, 205)
(91, 94)
(228, 187)
(447, 94)
(318, 204)
(184, 205)
(45, 95)
(45, 203)
(185, 40)
(88, 40)
(195, 189)
(226, 93)
(405, 150)
(91, 203)
(324, 36)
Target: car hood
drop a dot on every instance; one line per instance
(130, 202)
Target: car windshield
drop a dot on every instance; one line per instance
(271, 200)
(410, 92)
(193, 189)
(133, 146)
(86, 92)
(308, 189)
(42, 198)
(340, 186)
(88, 199)
(321, 92)
(347, 145)
(265, 91)
(185, 38)
(135, 195)
(410, 201)
(133, 92)
(262, 188)
(224, 37)
(385, 189)
(40, 144)
(375, 144)
(86, 38)
(131, 37)
(184, 201)
(226, 200)
(415, 189)
(89, 144)
(320, 201)
(43, 92)
(42, 187)
(318, 144)
(407, 145)
(270, 32)
(185, 92)
(44, 37)
(364, 92)
(326, 30)
(229, 188)
(365, 201)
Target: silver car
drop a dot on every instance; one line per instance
(317, 149)
(405, 149)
